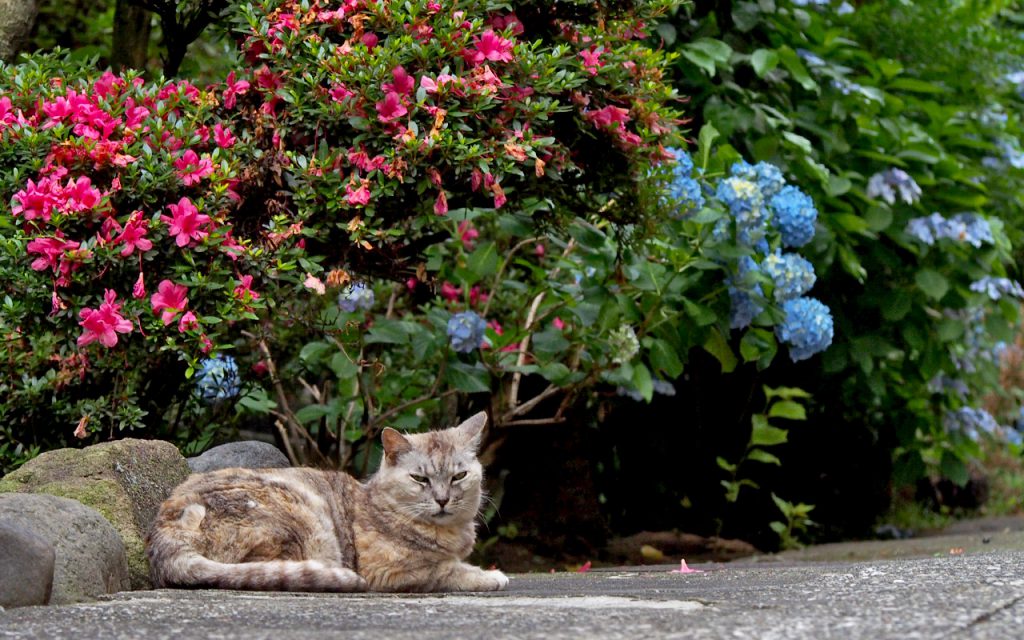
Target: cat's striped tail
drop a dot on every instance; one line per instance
(174, 562)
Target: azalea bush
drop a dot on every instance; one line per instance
(155, 226)
(911, 148)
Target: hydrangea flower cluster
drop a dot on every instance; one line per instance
(971, 422)
(891, 183)
(466, 331)
(218, 379)
(683, 189)
(996, 288)
(975, 346)
(356, 296)
(624, 344)
(763, 213)
(963, 227)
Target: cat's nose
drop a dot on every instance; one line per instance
(441, 502)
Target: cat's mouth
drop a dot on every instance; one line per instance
(441, 514)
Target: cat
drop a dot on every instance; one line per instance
(408, 528)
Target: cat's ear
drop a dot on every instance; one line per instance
(470, 432)
(395, 444)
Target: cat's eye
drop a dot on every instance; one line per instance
(459, 476)
(418, 478)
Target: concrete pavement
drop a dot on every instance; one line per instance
(971, 595)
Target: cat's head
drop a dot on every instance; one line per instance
(435, 476)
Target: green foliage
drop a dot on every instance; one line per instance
(836, 99)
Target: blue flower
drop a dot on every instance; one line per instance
(963, 227)
(746, 204)
(466, 331)
(806, 328)
(792, 274)
(684, 191)
(970, 422)
(356, 296)
(218, 378)
(766, 176)
(795, 216)
(996, 288)
(745, 296)
(886, 184)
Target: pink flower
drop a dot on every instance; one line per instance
(139, 288)
(233, 90)
(314, 284)
(188, 322)
(340, 92)
(390, 108)
(539, 250)
(244, 290)
(468, 234)
(103, 324)
(685, 569)
(403, 84)
(558, 323)
(477, 296)
(169, 300)
(360, 196)
(450, 292)
(187, 223)
(50, 251)
(441, 204)
(491, 46)
(592, 60)
(607, 116)
(134, 235)
(223, 136)
(191, 168)
(370, 40)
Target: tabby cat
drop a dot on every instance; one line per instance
(408, 528)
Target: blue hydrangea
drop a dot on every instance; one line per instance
(746, 298)
(892, 182)
(466, 331)
(794, 216)
(746, 204)
(792, 274)
(810, 59)
(971, 422)
(963, 227)
(766, 176)
(217, 378)
(684, 191)
(996, 288)
(806, 328)
(356, 296)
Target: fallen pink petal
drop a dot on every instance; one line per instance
(685, 569)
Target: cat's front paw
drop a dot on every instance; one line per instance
(494, 580)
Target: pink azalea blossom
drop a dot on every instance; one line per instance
(186, 223)
(592, 60)
(370, 39)
(223, 136)
(360, 196)
(103, 324)
(314, 284)
(188, 322)
(441, 204)
(468, 234)
(139, 288)
(558, 323)
(490, 46)
(607, 116)
(233, 90)
(339, 93)
(390, 108)
(134, 235)
(450, 292)
(244, 290)
(191, 168)
(169, 300)
(403, 84)
(685, 569)
(50, 251)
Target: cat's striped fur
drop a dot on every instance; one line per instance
(408, 528)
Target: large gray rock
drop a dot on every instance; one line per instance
(16, 20)
(125, 480)
(26, 566)
(251, 454)
(89, 554)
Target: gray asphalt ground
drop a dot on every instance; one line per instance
(946, 590)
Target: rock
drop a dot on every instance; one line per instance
(655, 547)
(26, 566)
(16, 20)
(125, 480)
(89, 554)
(251, 454)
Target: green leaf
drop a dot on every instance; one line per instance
(257, 401)
(954, 468)
(764, 434)
(642, 381)
(791, 60)
(895, 306)
(878, 218)
(786, 393)
(484, 260)
(717, 346)
(668, 33)
(702, 315)
(342, 366)
(664, 358)
(914, 85)
(555, 372)
(706, 52)
(932, 283)
(313, 412)
(837, 186)
(468, 378)
(387, 332)
(760, 455)
(763, 61)
(798, 141)
(313, 352)
(787, 409)
(707, 136)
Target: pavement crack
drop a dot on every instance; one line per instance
(988, 615)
